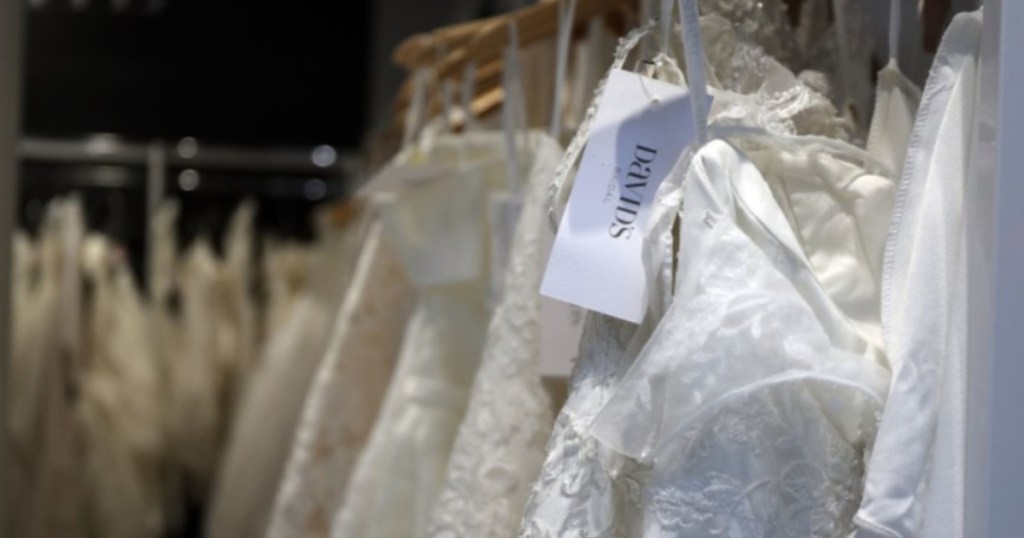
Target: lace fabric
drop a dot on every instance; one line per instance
(344, 399)
(584, 489)
(500, 443)
(750, 87)
(753, 407)
(611, 502)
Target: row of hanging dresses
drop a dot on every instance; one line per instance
(799, 307)
(86, 393)
(448, 333)
(120, 407)
(205, 329)
(259, 436)
(783, 382)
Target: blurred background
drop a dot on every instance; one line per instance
(207, 112)
(208, 101)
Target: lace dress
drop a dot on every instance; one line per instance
(346, 394)
(439, 231)
(755, 400)
(268, 414)
(500, 444)
(586, 489)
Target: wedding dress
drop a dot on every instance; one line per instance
(915, 479)
(218, 334)
(46, 436)
(236, 341)
(196, 415)
(268, 413)
(120, 404)
(500, 444)
(585, 488)
(754, 400)
(345, 396)
(439, 230)
(165, 328)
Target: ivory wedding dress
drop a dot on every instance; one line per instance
(500, 444)
(439, 230)
(120, 404)
(754, 401)
(585, 488)
(344, 399)
(915, 480)
(47, 442)
(269, 411)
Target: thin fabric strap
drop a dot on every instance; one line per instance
(843, 42)
(414, 114)
(566, 14)
(514, 111)
(894, 28)
(468, 89)
(696, 78)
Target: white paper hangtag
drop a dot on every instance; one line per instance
(561, 325)
(641, 127)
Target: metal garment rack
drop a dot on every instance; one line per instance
(158, 157)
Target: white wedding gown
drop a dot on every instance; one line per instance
(46, 435)
(439, 229)
(500, 444)
(585, 488)
(915, 479)
(346, 394)
(268, 412)
(754, 400)
(120, 404)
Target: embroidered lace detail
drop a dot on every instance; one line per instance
(761, 22)
(339, 412)
(500, 445)
(584, 489)
(763, 93)
(755, 424)
(715, 481)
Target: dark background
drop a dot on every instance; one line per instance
(257, 72)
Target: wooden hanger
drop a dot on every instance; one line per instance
(485, 79)
(483, 42)
(420, 50)
(343, 212)
(534, 23)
